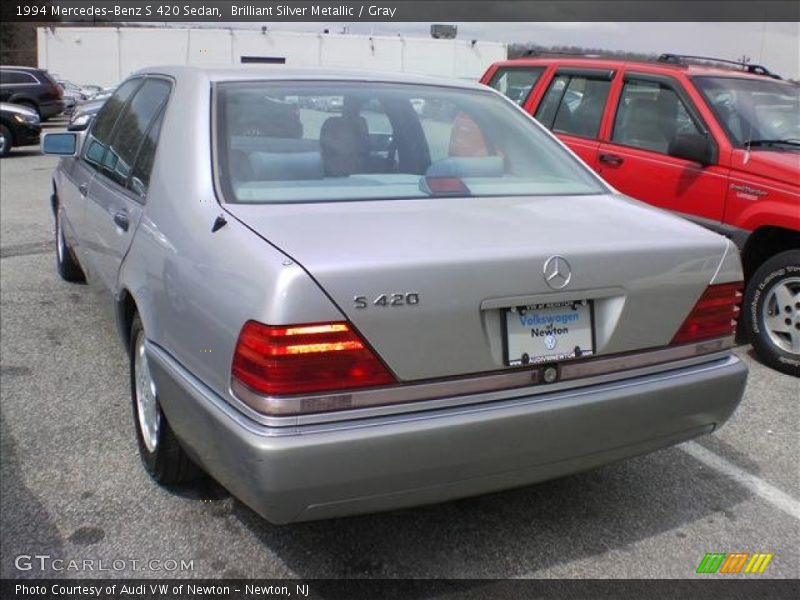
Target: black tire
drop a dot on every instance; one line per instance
(7, 141)
(66, 263)
(167, 463)
(781, 269)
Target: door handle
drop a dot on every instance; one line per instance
(611, 159)
(121, 219)
(83, 189)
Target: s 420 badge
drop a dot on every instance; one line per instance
(407, 299)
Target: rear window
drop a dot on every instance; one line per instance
(516, 82)
(339, 141)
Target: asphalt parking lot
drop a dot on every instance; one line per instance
(73, 488)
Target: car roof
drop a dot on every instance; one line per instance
(20, 68)
(663, 68)
(283, 73)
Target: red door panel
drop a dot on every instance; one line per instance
(665, 181)
(583, 147)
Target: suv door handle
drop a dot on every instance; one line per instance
(611, 159)
(121, 219)
(83, 189)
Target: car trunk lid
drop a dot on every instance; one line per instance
(427, 282)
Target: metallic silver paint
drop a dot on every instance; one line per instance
(468, 258)
(330, 470)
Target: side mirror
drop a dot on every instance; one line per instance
(80, 123)
(61, 144)
(691, 146)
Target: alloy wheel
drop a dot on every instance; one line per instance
(781, 314)
(147, 409)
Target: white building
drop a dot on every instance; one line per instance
(106, 55)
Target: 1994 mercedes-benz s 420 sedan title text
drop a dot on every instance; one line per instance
(345, 293)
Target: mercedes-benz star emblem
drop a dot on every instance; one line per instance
(557, 272)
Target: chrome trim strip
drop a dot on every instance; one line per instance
(289, 426)
(285, 411)
(381, 396)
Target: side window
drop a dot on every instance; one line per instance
(649, 116)
(94, 148)
(140, 176)
(12, 77)
(131, 128)
(574, 104)
(516, 82)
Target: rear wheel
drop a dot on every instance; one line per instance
(161, 453)
(66, 264)
(5, 141)
(772, 312)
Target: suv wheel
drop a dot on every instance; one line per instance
(161, 453)
(772, 312)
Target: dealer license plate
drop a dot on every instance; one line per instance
(549, 332)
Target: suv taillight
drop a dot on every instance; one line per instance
(713, 316)
(300, 359)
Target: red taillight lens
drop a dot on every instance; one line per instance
(300, 359)
(713, 316)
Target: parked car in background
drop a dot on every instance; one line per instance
(73, 95)
(389, 309)
(19, 126)
(84, 92)
(84, 113)
(30, 87)
(91, 90)
(716, 142)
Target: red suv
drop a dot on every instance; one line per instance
(716, 142)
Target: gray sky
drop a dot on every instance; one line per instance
(775, 45)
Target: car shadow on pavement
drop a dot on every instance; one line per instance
(509, 534)
(22, 516)
(23, 152)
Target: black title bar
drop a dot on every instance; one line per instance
(733, 588)
(231, 11)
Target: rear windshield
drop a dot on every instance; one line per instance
(336, 141)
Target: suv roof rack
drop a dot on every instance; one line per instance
(534, 52)
(682, 59)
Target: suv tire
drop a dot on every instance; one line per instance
(771, 312)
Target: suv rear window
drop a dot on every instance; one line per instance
(17, 77)
(574, 104)
(516, 82)
(330, 141)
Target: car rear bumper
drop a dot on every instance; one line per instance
(338, 469)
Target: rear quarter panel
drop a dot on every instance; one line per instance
(194, 289)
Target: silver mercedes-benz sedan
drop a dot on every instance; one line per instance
(416, 296)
